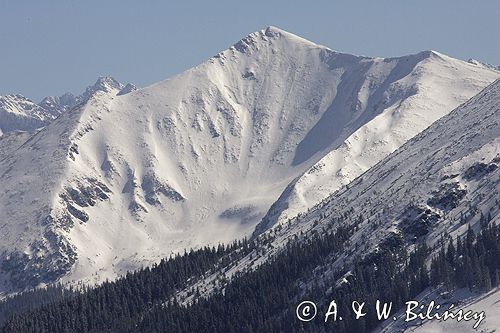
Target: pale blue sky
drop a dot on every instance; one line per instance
(49, 47)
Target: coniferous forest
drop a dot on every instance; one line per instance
(263, 300)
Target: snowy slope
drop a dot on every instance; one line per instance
(436, 90)
(126, 179)
(437, 183)
(490, 304)
(449, 169)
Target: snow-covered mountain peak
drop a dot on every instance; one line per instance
(105, 84)
(270, 30)
(435, 53)
(274, 32)
(125, 179)
(58, 104)
(274, 38)
(18, 104)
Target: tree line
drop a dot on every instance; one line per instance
(265, 299)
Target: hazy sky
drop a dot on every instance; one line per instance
(50, 47)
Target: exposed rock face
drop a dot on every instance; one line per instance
(479, 170)
(46, 259)
(153, 187)
(417, 221)
(447, 197)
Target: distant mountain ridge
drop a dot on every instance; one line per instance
(19, 113)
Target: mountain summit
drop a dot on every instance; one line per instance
(123, 180)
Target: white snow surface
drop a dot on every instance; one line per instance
(458, 152)
(201, 157)
(436, 91)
